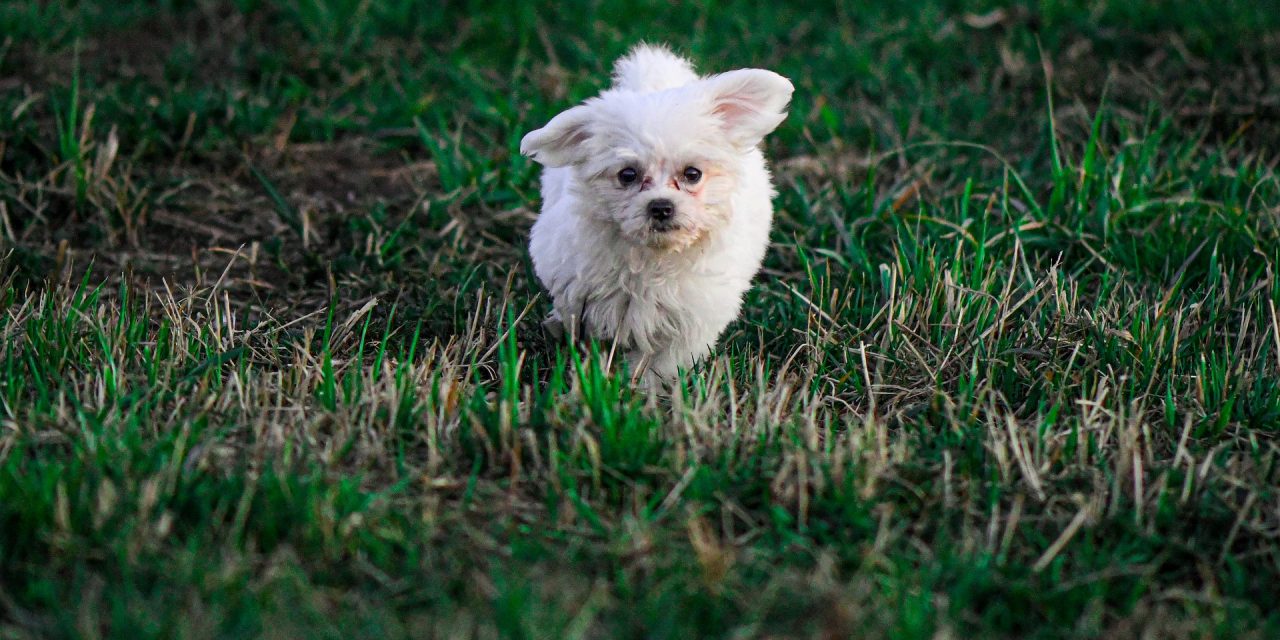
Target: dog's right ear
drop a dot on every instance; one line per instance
(750, 103)
(560, 142)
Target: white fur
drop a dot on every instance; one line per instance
(663, 293)
(648, 68)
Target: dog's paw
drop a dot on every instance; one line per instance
(554, 325)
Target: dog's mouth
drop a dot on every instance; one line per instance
(672, 236)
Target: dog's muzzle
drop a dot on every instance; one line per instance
(662, 215)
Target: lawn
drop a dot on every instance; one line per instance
(271, 361)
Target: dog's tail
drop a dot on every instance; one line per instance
(649, 68)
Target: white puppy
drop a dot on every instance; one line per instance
(656, 206)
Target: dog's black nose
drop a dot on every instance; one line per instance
(662, 210)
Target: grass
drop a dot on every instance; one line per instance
(271, 363)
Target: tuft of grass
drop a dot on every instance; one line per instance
(71, 141)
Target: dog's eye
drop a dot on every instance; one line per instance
(628, 175)
(692, 175)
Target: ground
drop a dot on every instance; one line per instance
(271, 362)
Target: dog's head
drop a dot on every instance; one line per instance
(662, 165)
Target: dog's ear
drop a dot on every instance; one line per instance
(750, 103)
(560, 142)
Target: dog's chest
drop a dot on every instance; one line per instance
(642, 308)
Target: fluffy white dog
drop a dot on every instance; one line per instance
(656, 206)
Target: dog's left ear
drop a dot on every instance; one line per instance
(750, 103)
(559, 143)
